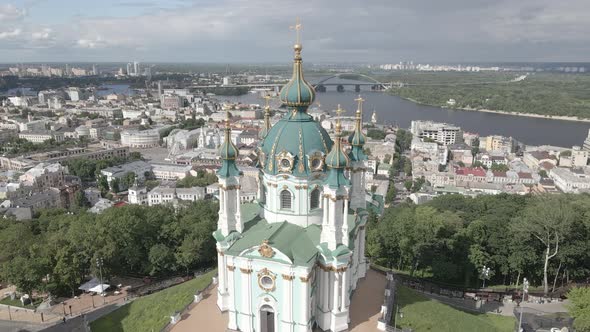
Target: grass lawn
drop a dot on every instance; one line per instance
(423, 314)
(17, 303)
(151, 312)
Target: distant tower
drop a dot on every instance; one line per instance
(136, 68)
(374, 118)
(94, 70)
(159, 90)
(128, 69)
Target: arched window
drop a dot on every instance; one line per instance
(285, 200)
(314, 200)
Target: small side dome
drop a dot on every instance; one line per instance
(337, 158)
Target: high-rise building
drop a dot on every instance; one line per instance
(291, 261)
(136, 68)
(587, 142)
(129, 73)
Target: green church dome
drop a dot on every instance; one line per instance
(357, 140)
(228, 153)
(295, 145)
(298, 92)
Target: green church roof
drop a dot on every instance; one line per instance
(297, 135)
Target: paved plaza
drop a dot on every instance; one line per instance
(364, 309)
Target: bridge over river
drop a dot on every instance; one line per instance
(342, 82)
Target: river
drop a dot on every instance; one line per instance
(395, 110)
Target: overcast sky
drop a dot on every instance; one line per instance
(254, 31)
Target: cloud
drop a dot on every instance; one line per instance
(10, 34)
(43, 34)
(9, 12)
(333, 30)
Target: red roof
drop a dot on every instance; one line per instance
(499, 174)
(119, 204)
(525, 175)
(477, 171)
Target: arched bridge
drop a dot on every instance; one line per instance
(320, 86)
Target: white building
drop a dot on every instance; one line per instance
(140, 138)
(170, 171)
(571, 180)
(443, 133)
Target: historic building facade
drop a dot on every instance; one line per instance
(291, 260)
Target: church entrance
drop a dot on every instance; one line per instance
(267, 319)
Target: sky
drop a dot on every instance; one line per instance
(258, 31)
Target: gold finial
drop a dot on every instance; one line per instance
(339, 112)
(227, 118)
(267, 99)
(360, 101)
(297, 27)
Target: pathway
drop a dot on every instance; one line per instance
(364, 309)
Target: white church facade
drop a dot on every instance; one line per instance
(292, 260)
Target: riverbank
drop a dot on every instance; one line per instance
(483, 110)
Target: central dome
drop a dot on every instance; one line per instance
(295, 145)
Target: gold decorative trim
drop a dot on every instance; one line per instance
(265, 250)
(287, 277)
(231, 268)
(245, 271)
(266, 273)
(285, 155)
(304, 279)
(301, 157)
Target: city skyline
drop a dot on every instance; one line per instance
(239, 31)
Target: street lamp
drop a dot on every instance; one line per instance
(485, 274)
(99, 264)
(525, 291)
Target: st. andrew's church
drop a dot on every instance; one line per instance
(291, 261)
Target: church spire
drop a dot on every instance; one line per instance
(357, 139)
(228, 153)
(337, 160)
(297, 93)
(266, 127)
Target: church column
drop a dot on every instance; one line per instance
(245, 273)
(336, 293)
(325, 207)
(345, 236)
(221, 269)
(326, 290)
(239, 226)
(233, 324)
(306, 295)
(287, 312)
(344, 299)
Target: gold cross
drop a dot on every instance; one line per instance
(267, 99)
(339, 110)
(297, 27)
(360, 100)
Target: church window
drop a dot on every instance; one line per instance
(285, 200)
(314, 201)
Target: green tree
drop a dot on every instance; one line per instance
(548, 219)
(408, 184)
(80, 200)
(579, 308)
(500, 167)
(115, 185)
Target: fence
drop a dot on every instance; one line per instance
(189, 306)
